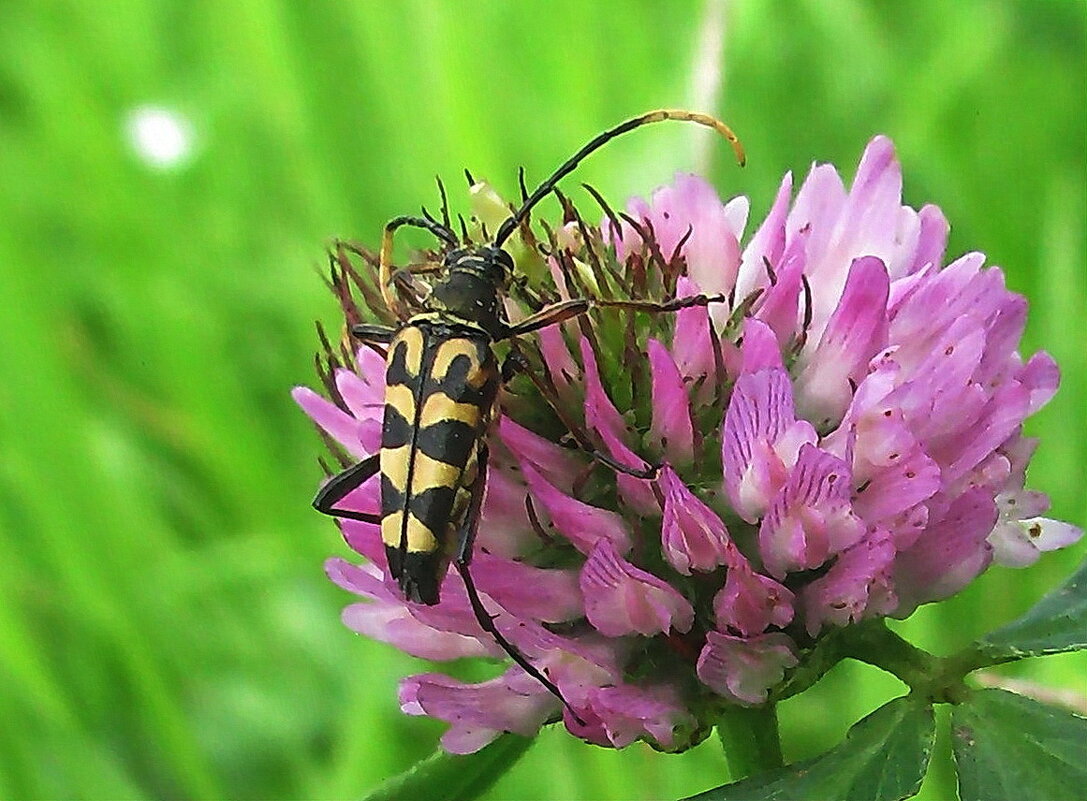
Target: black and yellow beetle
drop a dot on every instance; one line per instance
(442, 380)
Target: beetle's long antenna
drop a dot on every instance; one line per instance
(385, 272)
(442, 232)
(521, 183)
(510, 225)
(427, 215)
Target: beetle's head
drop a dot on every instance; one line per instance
(492, 264)
(473, 282)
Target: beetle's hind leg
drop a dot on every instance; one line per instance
(462, 559)
(343, 484)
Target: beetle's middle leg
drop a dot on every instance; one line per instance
(660, 306)
(567, 310)
(575, 307)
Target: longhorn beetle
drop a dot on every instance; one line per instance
(441, 397)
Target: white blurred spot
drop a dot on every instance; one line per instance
(707, 77)
(161, 137)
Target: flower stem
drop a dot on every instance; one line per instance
(749, 736)
(877, 645)
(940, 680)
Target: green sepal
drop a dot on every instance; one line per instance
(883, 758)
(1008, 746)
(452, 777)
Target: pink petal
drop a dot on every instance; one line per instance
(365, 538)
(693, 537)
(692, 345)
(875, 199)
(712, 250)
(1019, 543)
(931, 241)
(767, 243)
(505, 529)
(557, 463)
(818, 205)
(864, 223)
(602, 416)
(1020, 504)
(1042, 377)
(588, 726)
(1003, 330)
(622, 714)
(671, 432)
(736, 211)
(950, 553)
(780, 304)
(478, 712)
(811, 518)
(579, 522)
(744, 670)
(622, 599)
(890, 466)
(576, 664)
(392, 623)
(452, 615)
(894, 497)
(556, 356)
(750, 602)
(364, 400)
(341, 426)
(993, 425)
(759, 418)
(600, 412)
(761, 350)
(857, 330)
(857, 586)
(549, 595)
(932, 302)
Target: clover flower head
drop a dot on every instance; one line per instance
(835, 422)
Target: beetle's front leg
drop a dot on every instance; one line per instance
(373, 334)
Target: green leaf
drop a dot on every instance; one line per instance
(450, 777)
(883, 758)
(1055, 624)
(1007, 746)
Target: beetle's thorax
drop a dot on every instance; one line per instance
(472, 286)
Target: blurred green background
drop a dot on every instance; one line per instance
(166, 630)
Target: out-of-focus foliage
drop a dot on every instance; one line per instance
(165, 629)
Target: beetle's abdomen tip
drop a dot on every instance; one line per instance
(418, 574)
